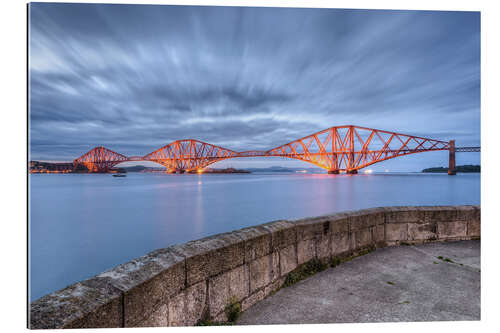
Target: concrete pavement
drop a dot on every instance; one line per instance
(429, 282)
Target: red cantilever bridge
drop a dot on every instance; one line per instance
(336, 149)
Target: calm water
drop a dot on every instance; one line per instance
(81, 224)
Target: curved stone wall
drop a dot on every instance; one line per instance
(187, 283)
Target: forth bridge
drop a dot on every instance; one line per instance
(339, 149)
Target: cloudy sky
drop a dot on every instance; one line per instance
(134, 78)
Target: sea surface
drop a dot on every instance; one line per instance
(83, 224)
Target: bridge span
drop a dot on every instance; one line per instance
(336, 149)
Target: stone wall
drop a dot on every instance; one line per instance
(184, 284)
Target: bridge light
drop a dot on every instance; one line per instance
(320, 149)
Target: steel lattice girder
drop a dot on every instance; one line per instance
(344, 148)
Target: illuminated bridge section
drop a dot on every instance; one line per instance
(336, 149)
(350, 148)
(189, 155)
(100, 159)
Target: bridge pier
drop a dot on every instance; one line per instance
(352, 172)
(334, 172)
(452, 166)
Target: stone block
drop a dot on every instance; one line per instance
(288, 259)
(323, 247)
(440, 213)
(176, 310)
(274, 286)
(146, 282)
(340, 223)
(357, 222)
(183, 309)
(466, 213)
(195, 299)
(239, 283)
(366, 218)
(257, 242)
(305, 250)
(159, 318)
(252, 299)
(263, 270)
(310, 228)
(220, 318)
(283, 234)
(377, 214)
(211, 256)
(478, 212)
(226, 288)
(379, 234)
(92, 303)
(340, 243)
(474, 228)
(396, 231)
(452, 229)
(422, 231)
(404, 214)
(354, 240)
(365, 237)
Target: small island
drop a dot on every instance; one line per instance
(141, 168)
(67, 167)
(226, 170)
(460, 168)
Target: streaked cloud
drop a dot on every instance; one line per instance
(136, 77)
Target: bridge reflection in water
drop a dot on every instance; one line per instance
(336, 149)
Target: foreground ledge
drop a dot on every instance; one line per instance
(185, 284)
(434, 281)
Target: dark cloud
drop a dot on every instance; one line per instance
(136, 77)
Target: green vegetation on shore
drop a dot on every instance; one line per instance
(459, 168)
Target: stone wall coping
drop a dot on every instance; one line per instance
(206, 244)
(132, 273)
(62, 308)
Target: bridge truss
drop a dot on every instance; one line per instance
(350, 148)
(100, 159)
(189, 155)
(336, 149)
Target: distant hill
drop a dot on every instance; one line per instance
(459, 168)
(142, 168)
(283, 169)
(226, 170)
